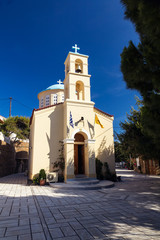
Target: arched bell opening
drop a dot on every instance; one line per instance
(78, 66)
(80, 90)
(79, 153)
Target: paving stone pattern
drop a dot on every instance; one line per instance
(130, 210)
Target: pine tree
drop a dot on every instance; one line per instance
(140, 64)
(17, 125)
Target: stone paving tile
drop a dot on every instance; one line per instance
(2, 231)
(69, 238)
(38, 236)
(57, 225)
(36, 228)
(95, 232)
(56, 233)
(84, 234)
(25, 237)
(68, 231)
(34, 220)
(76, 225)
(12, 231)
(10, 238)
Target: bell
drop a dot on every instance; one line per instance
(78, 70)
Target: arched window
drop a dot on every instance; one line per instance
(47, 100)
(78, 66)
(80, 90)
(55, 99)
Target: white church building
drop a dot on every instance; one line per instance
(67, 114)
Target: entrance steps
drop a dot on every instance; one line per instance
(82, 183)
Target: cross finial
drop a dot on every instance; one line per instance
(76, 48)
(59, 81)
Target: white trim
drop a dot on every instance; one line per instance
(81, 130)
(90, 141)
(68, 140)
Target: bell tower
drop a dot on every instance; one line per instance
(79, 117)
(77, 79)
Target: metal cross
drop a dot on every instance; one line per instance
(76, 48)
(59, 82)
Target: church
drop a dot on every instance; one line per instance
(66, 115)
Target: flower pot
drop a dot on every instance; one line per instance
(42, 182)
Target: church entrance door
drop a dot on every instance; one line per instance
(79, 160)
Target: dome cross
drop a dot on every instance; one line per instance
(59, 81)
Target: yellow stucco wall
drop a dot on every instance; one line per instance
(46, 132)
(104, 145)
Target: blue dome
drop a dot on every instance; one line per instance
(55, 86)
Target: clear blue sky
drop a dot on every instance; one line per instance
(35, 38)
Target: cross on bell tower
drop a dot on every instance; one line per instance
(76, 48)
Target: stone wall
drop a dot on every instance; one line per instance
(13, 157)
(7, 159)
(22, 156)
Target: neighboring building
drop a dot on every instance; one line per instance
(2, 119)
(66, 113)
(13, 154)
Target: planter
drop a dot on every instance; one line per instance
(42, 182)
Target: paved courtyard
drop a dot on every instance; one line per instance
(130, 210)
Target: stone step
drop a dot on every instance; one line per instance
(84, 181)
(73, 186)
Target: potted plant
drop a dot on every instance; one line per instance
(42, 177)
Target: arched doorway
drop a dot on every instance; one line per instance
(79, 154)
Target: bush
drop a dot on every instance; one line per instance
(42, 174)
(99, 166)
(36, 180)
(108, 175)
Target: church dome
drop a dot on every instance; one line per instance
(55, 86)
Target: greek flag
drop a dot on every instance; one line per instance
(71, 120)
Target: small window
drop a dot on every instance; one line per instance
(55, 99)
(47, 100)
(41, 104)
(63, 98)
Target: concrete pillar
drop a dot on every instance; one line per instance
(90, 165)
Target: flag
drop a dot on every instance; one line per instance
(97, 121)
(71, 120)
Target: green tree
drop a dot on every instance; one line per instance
(120, 154)
(133, 140)
(140, 64)
(17, 125)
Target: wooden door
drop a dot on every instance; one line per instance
(75, 158)
(80, 159)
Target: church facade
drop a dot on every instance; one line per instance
(67, 115)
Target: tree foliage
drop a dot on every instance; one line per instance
(140, 64)
(120, 154)
(17, 125)
(134, 140)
